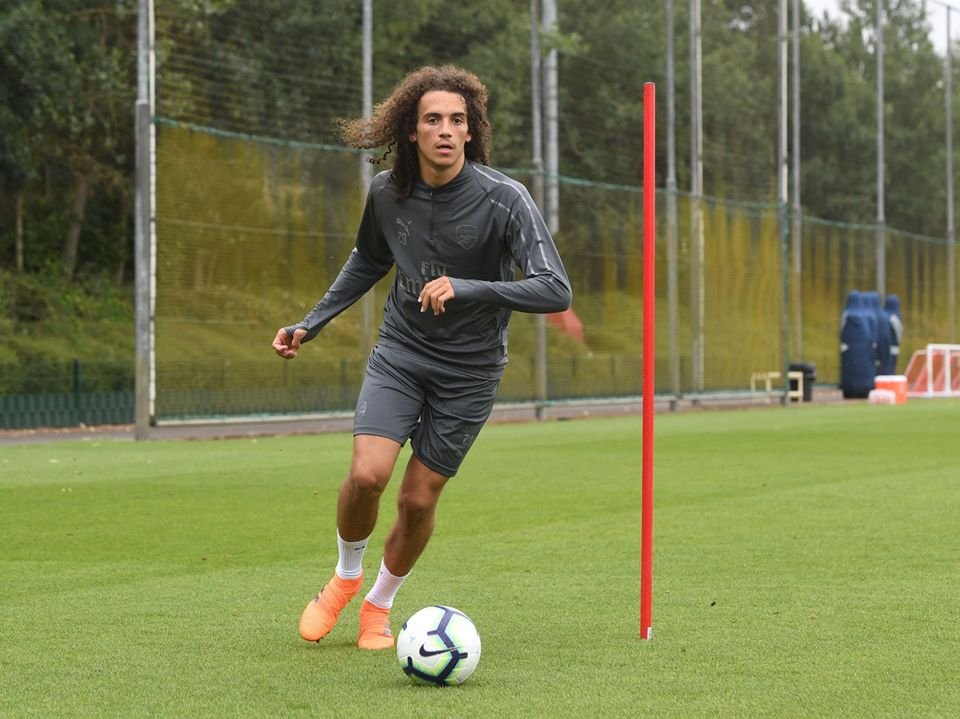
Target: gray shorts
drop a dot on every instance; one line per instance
(439, 408)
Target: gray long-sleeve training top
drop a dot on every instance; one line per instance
(476, 230)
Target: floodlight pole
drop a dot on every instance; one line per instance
(649, 357)
(551, 119)
(672, 279)
(144, 237)
(536, 122)
(951, 230)
(551, 183)
(783, 227)
(797, 225)
(881, 245)
(697, 239)
(366, 169)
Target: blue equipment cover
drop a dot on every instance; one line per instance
(858, 332)
(894, 320)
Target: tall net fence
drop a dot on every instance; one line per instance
(257, 203)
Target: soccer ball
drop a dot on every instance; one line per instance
(438, 645)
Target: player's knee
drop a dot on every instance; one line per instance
(416, 507)
(365, 481)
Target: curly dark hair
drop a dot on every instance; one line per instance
(395, 119)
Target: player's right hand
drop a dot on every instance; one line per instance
(286, 346)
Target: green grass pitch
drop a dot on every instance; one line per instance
(806, 563)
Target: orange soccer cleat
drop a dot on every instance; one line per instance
(322, 612)
(374, 627)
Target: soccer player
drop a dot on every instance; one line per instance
(456, 230)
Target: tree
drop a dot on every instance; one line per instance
(913, 117)
(96, 139)
(33, 68)
(838, 136)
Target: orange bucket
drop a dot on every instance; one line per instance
(896, 383)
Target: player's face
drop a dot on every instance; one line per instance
(442, 135)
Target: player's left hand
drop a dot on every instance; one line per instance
(435, 294)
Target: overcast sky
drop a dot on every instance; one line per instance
(817, 7)
(936, 12)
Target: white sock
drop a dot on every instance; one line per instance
(350, 562)
(385, 588)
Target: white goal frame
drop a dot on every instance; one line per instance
(934, 371)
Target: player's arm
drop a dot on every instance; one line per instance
(355, 279)
(367, 264)
(544, 287)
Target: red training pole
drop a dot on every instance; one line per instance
(649, 315)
